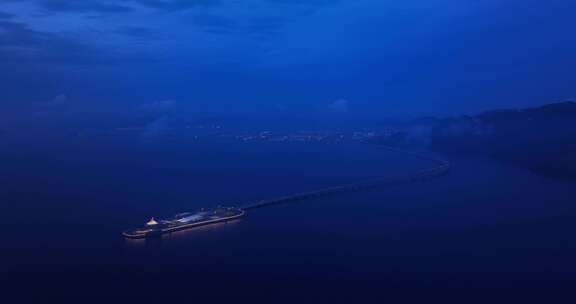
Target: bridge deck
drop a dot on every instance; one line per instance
(442, 167)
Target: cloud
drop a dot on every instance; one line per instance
(57, 106)
(136, 32)
(260, 27)
(214, 23)
(4, 15)
(339, 106)
(20, 43)
(158, 106)
(115, 6)
(266, 26)
(32, 42)
(267, 17)
(304, 2)
(59, 100)
(175, 5)
(85, 6)
(157, 127)
(80, 6)
(125, 6)
(279, 107)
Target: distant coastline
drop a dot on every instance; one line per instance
(542, 139)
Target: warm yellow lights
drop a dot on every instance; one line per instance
(151, 222)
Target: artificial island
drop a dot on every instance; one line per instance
(154, 228)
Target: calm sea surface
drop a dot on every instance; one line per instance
(66, 201)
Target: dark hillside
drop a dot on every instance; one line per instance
(542, 139)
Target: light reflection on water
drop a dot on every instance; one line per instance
(183, 235)
(135, 243)
(188, 234)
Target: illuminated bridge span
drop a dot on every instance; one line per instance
(441, 167)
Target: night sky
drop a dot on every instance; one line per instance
(359, 58)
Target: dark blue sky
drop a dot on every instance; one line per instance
(359, 58)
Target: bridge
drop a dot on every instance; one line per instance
(441, 167)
